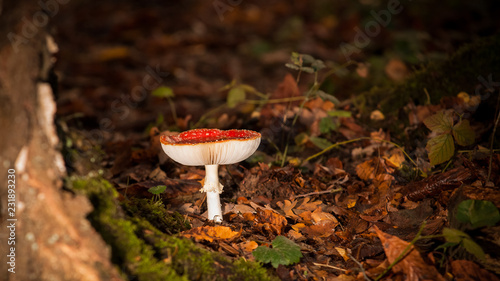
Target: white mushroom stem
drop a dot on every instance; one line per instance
(213, 188)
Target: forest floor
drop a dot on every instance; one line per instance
(342, 187)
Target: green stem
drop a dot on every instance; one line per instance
(275, 100)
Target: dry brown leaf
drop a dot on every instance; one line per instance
(463, 270)
(211, 233)
(295, 235)
(396, 158)
(287, 207)
(319, 216)
(271, 217)
(309, 206)
(324, 229)
(248, 246)
(413, 265)
(238, 208)
(369, 169)
(287, 88)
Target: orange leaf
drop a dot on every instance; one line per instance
(287, 207)
(248, 246)
(309, 206)
(271, 217)
(368, 170)
(413, 265)
(211, 233)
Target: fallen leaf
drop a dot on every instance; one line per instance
(248, 246)
(287, 207)
(413, 265)
(211, 233)
(309, 206)
(464, 270)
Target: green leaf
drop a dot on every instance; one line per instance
(441, 122)
(327, 125)
(318, 65)
(163, 92)
(307, 69)
(292, 66)
(325, 96)
(453, 235)
(440, 148)
(307, 58)
(157, 189)
(473, 248)
(284, 252)
(320, 142)
(478, 213)
(463, 133)
(235, 96)
(340, 113)
(446, 245)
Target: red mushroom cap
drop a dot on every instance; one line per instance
(210, 146)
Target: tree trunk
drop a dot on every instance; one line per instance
(44, 233)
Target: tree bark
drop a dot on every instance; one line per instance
(43, 234)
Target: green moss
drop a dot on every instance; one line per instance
(143, 252)
(134, 257)
(198, 263)
(157, 215)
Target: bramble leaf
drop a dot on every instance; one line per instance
(463, 133)
(284, 252)
(441, 122)
(440, 148)
(478, 213)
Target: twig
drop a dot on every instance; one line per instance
(317, 193)
(330, 266)
(360, 267)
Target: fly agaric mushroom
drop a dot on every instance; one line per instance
(211, 148)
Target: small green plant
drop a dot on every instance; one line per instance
(455, 237)
(156, 191)
(478, 213)
(283, 252)
(441, 147)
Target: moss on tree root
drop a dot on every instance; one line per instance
(143, 252)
